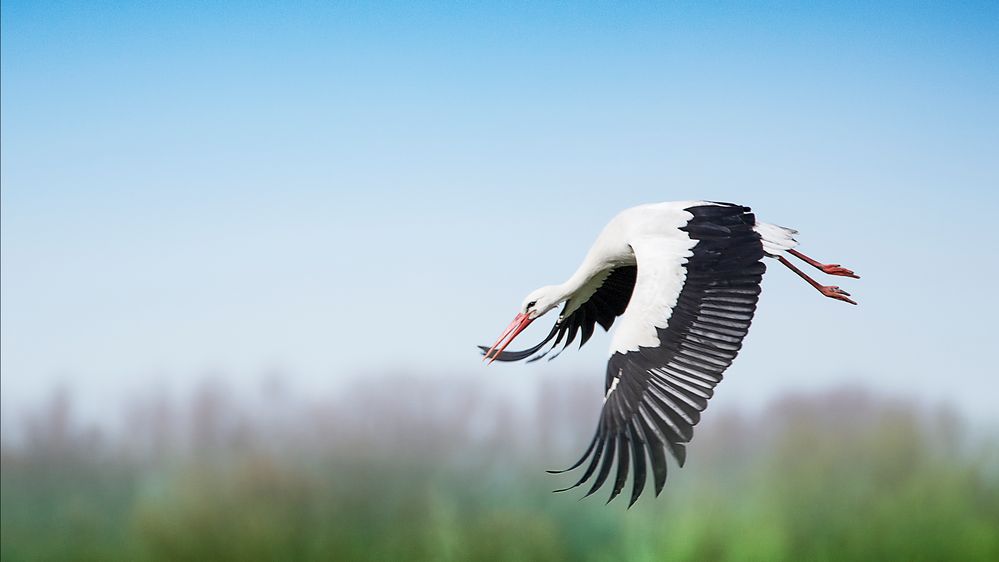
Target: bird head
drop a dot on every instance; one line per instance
(536, 305)
(539, 301)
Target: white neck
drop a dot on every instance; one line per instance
(583, 283)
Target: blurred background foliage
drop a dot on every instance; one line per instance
(393, 468)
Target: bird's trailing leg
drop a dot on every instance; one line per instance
(831, 292)
(830, 268)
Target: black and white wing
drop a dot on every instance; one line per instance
(693, 301)
(600, 301)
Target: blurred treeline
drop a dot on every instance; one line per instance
(399, 468)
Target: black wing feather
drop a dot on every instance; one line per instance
(638, 452)
(623, 464)
(604, 468)
(655, 396)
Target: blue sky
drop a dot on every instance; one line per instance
(334, 191)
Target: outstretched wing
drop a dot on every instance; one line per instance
(600, 301)
(692, 306)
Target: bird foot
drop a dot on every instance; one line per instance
(836, 269)
(836, 293)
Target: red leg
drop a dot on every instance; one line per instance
(831, 292)
(831, 269)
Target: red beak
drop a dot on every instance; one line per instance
(520, 322)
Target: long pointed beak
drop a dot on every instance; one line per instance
(520, 322)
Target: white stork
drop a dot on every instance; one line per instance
(684, 277)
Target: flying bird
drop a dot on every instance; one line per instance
(681, 280)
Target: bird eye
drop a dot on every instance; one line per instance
(531, 304)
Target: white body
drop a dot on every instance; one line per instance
(650, 235)
(680, 281)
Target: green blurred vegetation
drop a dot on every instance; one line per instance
(392, 470)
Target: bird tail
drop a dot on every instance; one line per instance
(776, 239)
